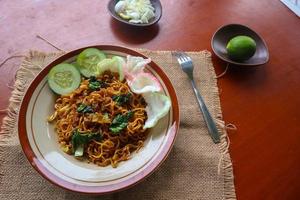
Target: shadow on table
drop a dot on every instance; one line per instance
(252, 76)
(133, 35)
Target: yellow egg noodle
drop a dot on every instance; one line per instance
(110, 147)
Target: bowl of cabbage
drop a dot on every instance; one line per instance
(138, 13)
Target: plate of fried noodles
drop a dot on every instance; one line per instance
(98, 119)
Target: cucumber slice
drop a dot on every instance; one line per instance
(64, 78)
(87, 61)
(120, 60)
(115, 64)
(74, 63)
(121, 64)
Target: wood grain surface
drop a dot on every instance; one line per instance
(263, 102)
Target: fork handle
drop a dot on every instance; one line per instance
(212, 128)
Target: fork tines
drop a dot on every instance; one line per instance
(181, 56)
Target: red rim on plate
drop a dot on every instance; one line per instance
(39, 167)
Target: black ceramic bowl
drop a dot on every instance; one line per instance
(225, 33)
(155, 3)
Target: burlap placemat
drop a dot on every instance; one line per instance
(193, 169)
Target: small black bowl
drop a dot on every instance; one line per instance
(155, 3)
(222, 36)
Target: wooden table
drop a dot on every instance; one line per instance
(263, 102)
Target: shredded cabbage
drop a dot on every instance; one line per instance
(136, 11)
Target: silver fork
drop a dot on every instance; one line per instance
(187, 66)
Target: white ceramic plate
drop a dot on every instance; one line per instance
(40, 143)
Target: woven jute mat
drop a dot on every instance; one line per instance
(195, 169)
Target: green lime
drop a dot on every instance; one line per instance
(241, 48)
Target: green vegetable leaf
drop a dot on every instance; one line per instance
(82, 108)
(94, 84)
(81, 139)
(120, 122)
(122, 99)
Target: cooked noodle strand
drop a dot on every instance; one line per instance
(113, 148)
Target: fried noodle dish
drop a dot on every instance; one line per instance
(105, 105)
(102, 120)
